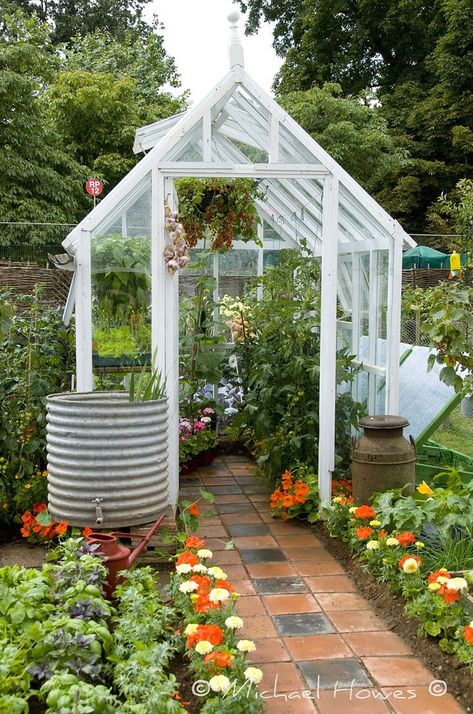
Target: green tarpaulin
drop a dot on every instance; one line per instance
(424, 257)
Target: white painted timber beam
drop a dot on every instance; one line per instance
(83, 303)
(328, 338)
(394, 326)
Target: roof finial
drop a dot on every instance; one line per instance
(236, 48)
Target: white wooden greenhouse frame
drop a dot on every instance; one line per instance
(309, 198)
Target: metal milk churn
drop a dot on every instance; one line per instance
(382, 458)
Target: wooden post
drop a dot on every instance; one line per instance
(328, 337)
(83, 306)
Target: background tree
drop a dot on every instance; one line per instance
(39, 181)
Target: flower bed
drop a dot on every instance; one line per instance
(400, 558)
(65, 646)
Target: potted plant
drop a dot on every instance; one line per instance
(219, 208)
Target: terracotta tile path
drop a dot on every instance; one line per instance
(319, 643)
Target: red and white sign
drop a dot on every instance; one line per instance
(94, 187)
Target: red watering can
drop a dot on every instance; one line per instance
(118, 557)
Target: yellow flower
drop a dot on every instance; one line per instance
(419, 544)
(246, 646)
(217, 573)
(194, 597)
(204, 647)
(253, 674)
(424, 489)
(434, 586)
(337, 499)
(392, 542)
(191, 628)
(27, 486)
(375, 523)
(410, 565)
(372, 545)
(353, 509)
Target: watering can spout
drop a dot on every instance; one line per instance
(116, 556)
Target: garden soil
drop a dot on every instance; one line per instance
(391, 609)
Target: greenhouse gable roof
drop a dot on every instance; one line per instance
(239, 130)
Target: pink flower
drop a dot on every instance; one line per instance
(199, 425)
(208, 410)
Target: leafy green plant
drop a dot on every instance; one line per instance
(149, 386)
(279, 360)
(36, 354)
(452, 550)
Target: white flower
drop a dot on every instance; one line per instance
(392, 542)
(217, 573)
(219, 683)
(218, 595)
(234, 623)
(206, 419)
(188, 587)
(410, 565)
(204, 647)
(246, 646)
(191, 628)
(372, 545)
(353, 509)
(457, 584)
(184, 568)
(253, 674)
(204, 553)
(442, 580)
(337, 499)
(199, 568)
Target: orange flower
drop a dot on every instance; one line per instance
(219, 659)
(288, 501)
(189, 558)
(363, 532)
(27, 518)
(194, 509)
(225, 585)
(365, 512)
(468, 634)
(209, 633)
(437, 574)
(450, 596)
(203, 582)
(61, 527)
(194, 542)
(25, 531)
(87, 531)
(406, 538)
(39, 508)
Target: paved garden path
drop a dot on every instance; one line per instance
(312, 630)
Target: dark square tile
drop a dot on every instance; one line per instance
(275, 586)
(303, 623)
(331, 673)
(235, 508)
(190, 481)
(248, 529)
(189, 491)
(217, 490)
(262, 555)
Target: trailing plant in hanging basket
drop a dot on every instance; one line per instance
(219, 208)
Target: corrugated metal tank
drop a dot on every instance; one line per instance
(107, 459)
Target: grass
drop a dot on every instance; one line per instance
(456, 433)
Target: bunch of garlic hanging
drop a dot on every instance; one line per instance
(175, 252)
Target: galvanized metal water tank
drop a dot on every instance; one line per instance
(382, 458)
(107, 459)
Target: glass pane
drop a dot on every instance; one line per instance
(121, 287)
(235, 269)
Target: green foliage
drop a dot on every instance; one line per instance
(40, 180)
(36, 353)
(448, 505)
(121, 268)
(455, 211)
(150, 385)
(279, 364)
(447, 321)
(452, 550)
(219, 209)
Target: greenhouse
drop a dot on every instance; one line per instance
(306, 201)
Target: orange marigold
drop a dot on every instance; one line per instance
(363, 532)
(449, 596)
(468, 634)
(61, 527)
(365, 512)
(210, 633)
(188, 558)
(406, 538)
(194, 542)
(443, 572)
(87, 531)
(219, 659)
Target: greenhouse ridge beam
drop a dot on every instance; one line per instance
(230, 170)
